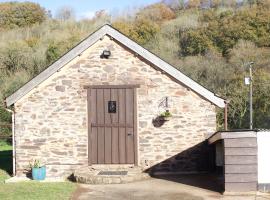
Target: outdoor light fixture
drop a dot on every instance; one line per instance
(105, 54)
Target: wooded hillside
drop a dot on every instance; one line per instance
(210, 41)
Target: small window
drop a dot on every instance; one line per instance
(112, 106)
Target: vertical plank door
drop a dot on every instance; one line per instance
(112, 125)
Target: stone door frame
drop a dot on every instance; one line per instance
(99, 127)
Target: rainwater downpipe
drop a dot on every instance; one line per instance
(13, 140)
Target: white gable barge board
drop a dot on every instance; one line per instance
(93, 38)
(166, 67)
(65, 59)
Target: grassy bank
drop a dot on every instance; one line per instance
(5, 146)
(28, 190)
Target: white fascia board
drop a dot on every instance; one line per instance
(93, 38)
(65, 59)
(164, 66)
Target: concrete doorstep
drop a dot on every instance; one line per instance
(90, 175)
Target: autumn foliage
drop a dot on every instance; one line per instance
(14, 14)
(210, 41)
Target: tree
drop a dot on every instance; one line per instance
(225, 29)
(101, 16)
(175, 4)
(261, 99)
(237, 93)
(146, 30)
(127, 28)
(246, 51)
(216, 3)
(4, 115)
(194, 42)
(52, 53)
(249, 2)
(5, 118)
(141, 30)
(16, 14)
(209, 45)
(205, 4)
(230, 3)
(194, 4)
(157, 13)
(182, 4)
(65, 13)
(15, 56)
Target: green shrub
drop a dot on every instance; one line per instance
(193, 42)
(142, 30)
(5, 116)
(20, 14)
(157, 13)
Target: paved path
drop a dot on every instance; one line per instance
(153, 189)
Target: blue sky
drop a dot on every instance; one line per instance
(85, 8)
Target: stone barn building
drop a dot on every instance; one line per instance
(110, 102)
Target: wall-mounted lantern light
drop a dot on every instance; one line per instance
(105, 54)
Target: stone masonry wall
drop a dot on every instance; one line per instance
(51, 121)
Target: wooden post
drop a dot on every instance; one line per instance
(226, 116)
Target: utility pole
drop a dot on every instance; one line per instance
(250, 95)
(249, 81)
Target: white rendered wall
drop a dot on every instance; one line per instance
(263, 141)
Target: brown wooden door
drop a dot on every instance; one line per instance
(112, 125)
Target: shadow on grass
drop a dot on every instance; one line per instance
(6, 161)
(6, 156)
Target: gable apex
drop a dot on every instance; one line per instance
(133, 46)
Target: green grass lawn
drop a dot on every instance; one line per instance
(28, 190)
(5, 146)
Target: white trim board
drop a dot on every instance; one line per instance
(124, 40)
(231, 135)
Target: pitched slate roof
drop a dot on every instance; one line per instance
(133, 46)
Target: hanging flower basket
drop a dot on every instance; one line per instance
(166, 115)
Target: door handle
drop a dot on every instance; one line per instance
(130, 134)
